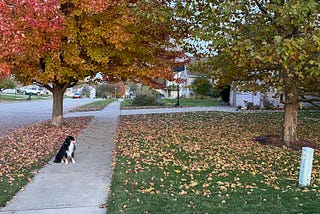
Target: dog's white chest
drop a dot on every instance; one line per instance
(70, 150)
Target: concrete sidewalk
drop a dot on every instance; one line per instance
(74, 188)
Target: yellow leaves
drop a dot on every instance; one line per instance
(223, 188)
(205, 185)
(193, 183)
(20, 175)
(161, 18)
(276, 187)
(207, 193)
(183, 192)
(177, 171)
(147, 190)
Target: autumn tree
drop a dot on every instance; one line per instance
(58, 43)
(261, 46)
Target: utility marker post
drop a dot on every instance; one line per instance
(306, 166)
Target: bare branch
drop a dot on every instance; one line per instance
(263, 10)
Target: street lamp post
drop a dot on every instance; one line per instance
(178, 97)
(115, 92)
(177, 70)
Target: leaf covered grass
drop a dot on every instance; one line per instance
(25, 150)
(209, 163)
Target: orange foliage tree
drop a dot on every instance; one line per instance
(57, 43)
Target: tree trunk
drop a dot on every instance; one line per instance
(291, 110)
(290, 123)
(57, 111)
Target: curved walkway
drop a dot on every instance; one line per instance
(82, 187)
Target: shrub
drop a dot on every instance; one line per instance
(267, 104)
(239, 107)
(7, 83)
(202, 86)
(249, 105)
(145, 100)
(256, 107)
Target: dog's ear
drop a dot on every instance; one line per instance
(70, 137)
(73, 140)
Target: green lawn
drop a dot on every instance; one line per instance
(183, 102)
(209, 163)
(20, 97)
(191, 102)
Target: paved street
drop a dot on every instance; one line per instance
(16, 114)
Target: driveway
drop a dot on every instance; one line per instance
(16, 114)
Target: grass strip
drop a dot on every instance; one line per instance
(94, 106)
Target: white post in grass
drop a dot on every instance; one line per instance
(306, 166)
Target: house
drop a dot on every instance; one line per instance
(171, 89)
(184, 88)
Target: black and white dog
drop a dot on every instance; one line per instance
(66, 151)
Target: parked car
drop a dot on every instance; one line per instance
(76, 95)
(9, 91)
(33, 89)
(20, 89)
